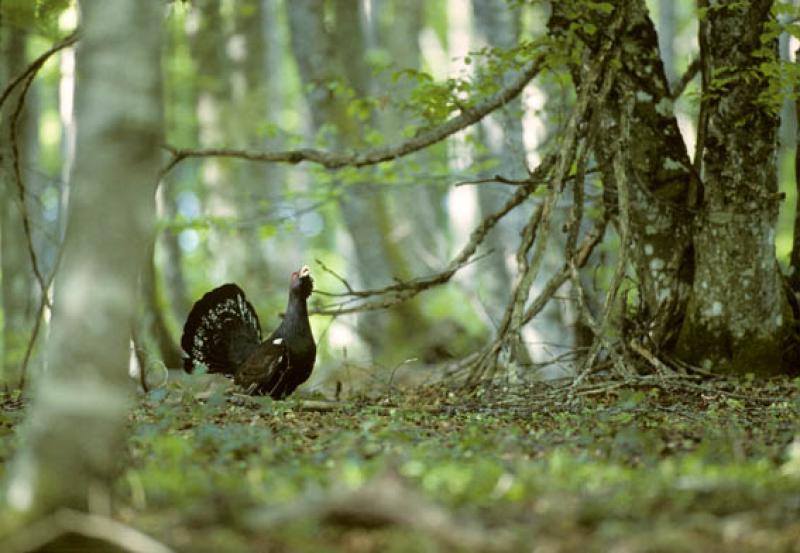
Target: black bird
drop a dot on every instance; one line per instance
(223, 332)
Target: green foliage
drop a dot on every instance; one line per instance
(776, 78)
(38, 16)
(622, 467)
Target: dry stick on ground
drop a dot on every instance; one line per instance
(332, 160)
(383, 502)
(114, 535)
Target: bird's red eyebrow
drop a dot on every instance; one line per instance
(294, 275)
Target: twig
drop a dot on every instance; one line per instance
(34, 67)
(405, 290)
(332, 160)
(680, 85)
(515, 182)
(585, 249)
(23, 205)
(660, 367)
(336, 275)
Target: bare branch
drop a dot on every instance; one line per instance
(332, 160)
(34, 67)
(621, 176)
(23, 204)
(680, 85)
(112, 535)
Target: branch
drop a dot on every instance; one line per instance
(621, 175)
(34, 67)
(373, 156)
(600, 75)
(23, 206)
(680, 85)
(408, 289)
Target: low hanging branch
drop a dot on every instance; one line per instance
(403, 291)
(332, 160)
(37, 64)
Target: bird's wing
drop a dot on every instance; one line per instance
(263, 371)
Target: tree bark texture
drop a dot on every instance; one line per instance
(76, 425)
(737, 316)
(704, 253)
(660, 178)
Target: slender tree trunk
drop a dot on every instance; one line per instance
(17, 277)
(75, 429)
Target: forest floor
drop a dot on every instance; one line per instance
(648, 465)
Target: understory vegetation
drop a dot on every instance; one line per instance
(654, 464)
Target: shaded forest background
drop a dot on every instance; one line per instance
(489, 193)
(340, 76)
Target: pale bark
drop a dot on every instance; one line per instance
(75, 429)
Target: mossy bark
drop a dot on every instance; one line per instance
(703, 249)
(737, 312)
(660, 172)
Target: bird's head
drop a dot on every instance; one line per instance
(301, 282)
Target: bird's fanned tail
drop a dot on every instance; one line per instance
(221, 331)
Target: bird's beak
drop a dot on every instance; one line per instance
(305, 271)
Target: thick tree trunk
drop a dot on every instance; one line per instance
(76, 422)
(704, 255)
(661, 181)
(737, 316)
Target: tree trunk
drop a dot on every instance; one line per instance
(76, 421)
(737, 316)
(659, 171)
(17, 277)
(704, 255)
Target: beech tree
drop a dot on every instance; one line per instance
(75, 427)
(702, 233)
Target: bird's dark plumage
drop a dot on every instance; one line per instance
(223, 332)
